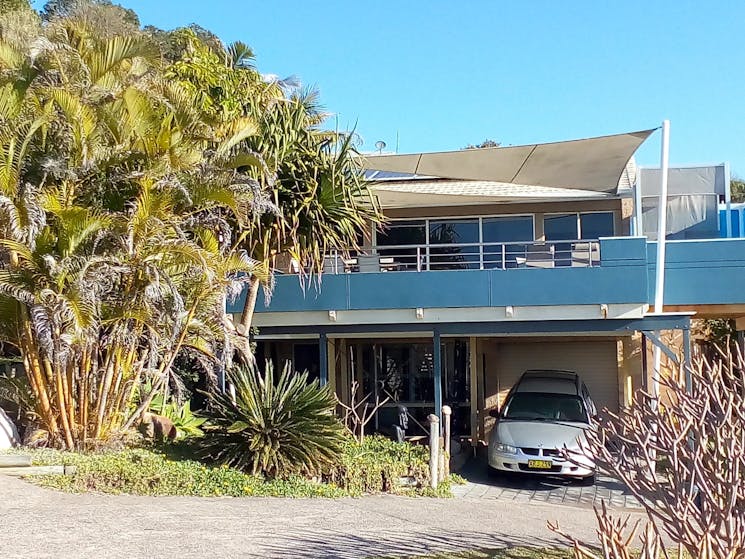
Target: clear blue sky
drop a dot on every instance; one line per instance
(444, 74)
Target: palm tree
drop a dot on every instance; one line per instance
(117, 203)
(324, 204)
(317, 198)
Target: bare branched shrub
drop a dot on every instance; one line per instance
(617, 538)
(358, 413)
(684, 460)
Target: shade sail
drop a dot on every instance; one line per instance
(591, 164)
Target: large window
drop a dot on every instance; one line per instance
(403, 233)
(572, 227)
(563, 227)
(586, 225)
(491, 241)
(507, 230)
(451, 232)
(597, 224)
(404, 237)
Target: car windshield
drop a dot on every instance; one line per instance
(542, 406)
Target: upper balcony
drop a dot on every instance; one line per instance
(554, 279)
(605, 271)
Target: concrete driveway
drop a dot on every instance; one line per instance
(42, 523)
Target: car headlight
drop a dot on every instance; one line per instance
(506, 449)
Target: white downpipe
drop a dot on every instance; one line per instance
(659, 292)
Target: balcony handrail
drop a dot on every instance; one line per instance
(478, 255)
(486, 243)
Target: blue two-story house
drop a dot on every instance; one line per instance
(499, 260)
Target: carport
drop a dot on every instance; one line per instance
(567, 342)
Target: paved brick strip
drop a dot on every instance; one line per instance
(556, 492)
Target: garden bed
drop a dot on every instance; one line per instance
(375, 466)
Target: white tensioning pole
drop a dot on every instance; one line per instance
(659, 290)
(662, 219)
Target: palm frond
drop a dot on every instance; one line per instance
(117, 51)
(240, 55)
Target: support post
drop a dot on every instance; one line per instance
(473, 371)
(687, 360)
(323, 358)
(346, 377)
(740, 329)
(434, 449)
(659, 294)
(645, 366)
(437, 363)
(331, 358)
(447, 413)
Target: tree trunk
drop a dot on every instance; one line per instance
(250, 305)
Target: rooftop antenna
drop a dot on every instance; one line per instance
(380, 146)
(396, 141)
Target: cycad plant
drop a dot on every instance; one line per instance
(273, 426)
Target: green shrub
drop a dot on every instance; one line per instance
(187, 423)
(379, 465)
(273, 428)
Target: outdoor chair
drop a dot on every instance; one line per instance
(368, 263)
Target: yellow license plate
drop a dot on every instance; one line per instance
(540, 464)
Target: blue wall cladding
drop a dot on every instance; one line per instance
(705, 272)
(620, 278)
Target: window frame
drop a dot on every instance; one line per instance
(578, 215)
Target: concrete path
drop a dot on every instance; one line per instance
(538, 489)
(40, 523)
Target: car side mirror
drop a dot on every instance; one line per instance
(494, 413)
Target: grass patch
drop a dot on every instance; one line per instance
(375, 466)
(152, 472)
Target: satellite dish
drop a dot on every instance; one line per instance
(380, 146)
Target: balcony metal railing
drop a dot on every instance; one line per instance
(469, 256)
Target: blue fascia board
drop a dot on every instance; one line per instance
(569, 286)
(622, 251)
(700, 272)
(671, 321)
(290, 294)
(407, 290)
